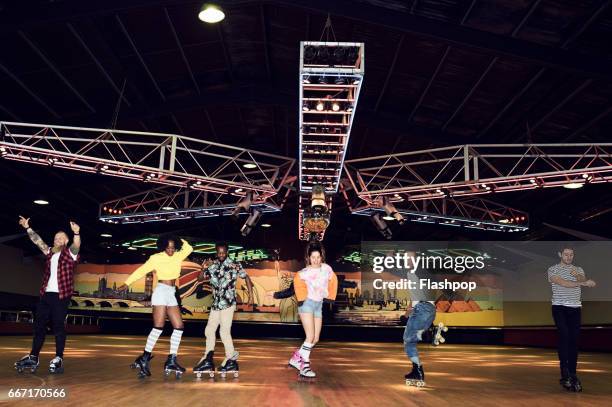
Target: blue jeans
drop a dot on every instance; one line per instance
(421, 318)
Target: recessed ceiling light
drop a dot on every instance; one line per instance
(211, 13)
(168, 208)
(249, 165)
(41, 202)
(573, 185)
(106, 235)
(266, 225)
(388, 217)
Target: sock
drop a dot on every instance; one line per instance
(415, 359)
(152, 339)
(175, 340)
(305, 351)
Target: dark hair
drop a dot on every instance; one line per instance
(164, 240)
(566, 247)
(314, 247)
(221, 244)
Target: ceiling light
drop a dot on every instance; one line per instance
(106, 235)
(305, 107)
(168, 208)
(41, 202)
(320, 106)
(249, 165)
(266, 225)
(387, 217)
(573, 185)
(335, 106)
(132, 248)
(211, 13)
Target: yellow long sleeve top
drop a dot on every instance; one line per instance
(166, 267)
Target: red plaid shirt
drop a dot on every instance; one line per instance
(65, 273)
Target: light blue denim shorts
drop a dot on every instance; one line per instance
(311, 307)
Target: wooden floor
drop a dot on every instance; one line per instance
(349, 374)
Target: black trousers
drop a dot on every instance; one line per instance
(51, 308)
(567, 320)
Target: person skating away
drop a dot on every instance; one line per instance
(566, 280)
(167, 267)
(223, 273)
(313, 285)
(55, 292)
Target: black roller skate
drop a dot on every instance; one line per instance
(576, 386)
(57, 365)
(27, 362)
(206, 365)
(229, 366)
(142, 363)
(172, 365)
(416, 377)
(565, 380)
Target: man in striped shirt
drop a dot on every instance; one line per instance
(566, 281)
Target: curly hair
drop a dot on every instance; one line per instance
(314, 247)
(164, 240)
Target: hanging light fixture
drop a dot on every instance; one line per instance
(211, 13)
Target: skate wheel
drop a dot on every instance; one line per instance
(445, 329)
(223, 375)
(19, 370)
(166, 373)
(442, 340)
(179, 375)
(211, 374)
(440, 324)
(236, 375)
(436, 343)
(199, 375)
(420, 384)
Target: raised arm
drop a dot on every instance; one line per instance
(34, 237)
(185, 251)
(76, 240)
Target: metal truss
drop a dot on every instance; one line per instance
(330, 78)
(458, 171)
(166, 159)
(168, 203)
(469, 212)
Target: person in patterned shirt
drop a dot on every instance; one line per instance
(55, 292)
(223, 273)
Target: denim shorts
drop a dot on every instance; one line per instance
(164, 295)
(311, 307)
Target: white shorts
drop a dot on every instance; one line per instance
(164, 295)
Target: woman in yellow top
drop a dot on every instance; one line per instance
(167, 267)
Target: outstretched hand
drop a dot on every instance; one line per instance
(24, 222)
(206, 263)
(75, 228)
(589, 283)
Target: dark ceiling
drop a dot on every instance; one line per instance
(438, 72)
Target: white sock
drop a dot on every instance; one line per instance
(305, 351)
(175, 340)
(152, 339)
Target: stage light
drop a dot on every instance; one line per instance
(243, 205)
(132, 248)
(306, 79)
(335, 106)
(387, 217)
(41, 202)
(573, 185)
(266, 225)
(323, 80)
(309, 53)
(305, 107)
(251, 222)
(210, 13)
(167, 208)
(249, 165)
(106, 235)
(349, 107)
(339, 80)
(392, 212)
(320, 106)
(381, 226)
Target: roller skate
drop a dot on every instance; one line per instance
(172, 365)
(56, 365)
(205, 365)
(27, 362)
(229, 366)
(416, 377)
(305, 371)
(575, 384)
(296, 360)
(142, 363)
(437, 334)
(565, 380)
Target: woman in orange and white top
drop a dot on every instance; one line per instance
(313, 285)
